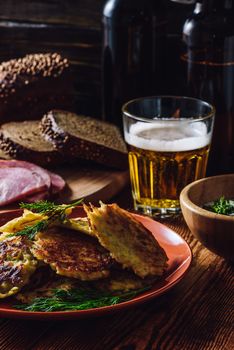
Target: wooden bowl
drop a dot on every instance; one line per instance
(215, 231)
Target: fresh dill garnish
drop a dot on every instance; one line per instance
(53, 212)
(221, 206)
(77, 299)
(31, 231)
(45, 207)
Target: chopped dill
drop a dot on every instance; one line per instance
(221, 206)
(77, 299)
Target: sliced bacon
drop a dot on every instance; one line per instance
(16, 183)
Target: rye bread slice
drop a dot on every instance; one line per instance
(24, 141)
(85, 138)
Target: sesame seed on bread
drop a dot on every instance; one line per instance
(24, 141)
(85, 138)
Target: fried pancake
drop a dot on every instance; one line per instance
(28, 218)
(72, 254)
(46, 283)
(122, 281)
(78, 224)
(129, 242)
(16, 265)
(118, 281)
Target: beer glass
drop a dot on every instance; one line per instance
(168, 140)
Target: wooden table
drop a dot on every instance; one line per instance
(196, 314)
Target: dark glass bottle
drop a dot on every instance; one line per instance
(176, 13)
(209, 61)
(132, 57)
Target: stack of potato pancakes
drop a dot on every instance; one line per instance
(109, 250)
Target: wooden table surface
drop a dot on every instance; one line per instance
(196, 314)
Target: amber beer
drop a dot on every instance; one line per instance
(163, 160)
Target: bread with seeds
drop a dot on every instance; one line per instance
(85, 138)
(32, 85)
(24, 141)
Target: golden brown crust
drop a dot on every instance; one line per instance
(122, 281)
(72, 254)
(43, 283)
(127, 240)
(16, 265)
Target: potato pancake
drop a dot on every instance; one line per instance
(122, 281)
(28, 218)
(78, 224)
(129, 242)
(50, 281)
(118, 281)
(16, 265)
(72, 254)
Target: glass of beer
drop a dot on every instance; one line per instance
(168, 140)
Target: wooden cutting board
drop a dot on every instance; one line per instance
(91, 183)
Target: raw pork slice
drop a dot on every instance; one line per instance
(17, 183)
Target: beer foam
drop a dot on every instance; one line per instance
(166, 136)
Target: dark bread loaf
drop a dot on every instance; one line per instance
(85, 138)
(32, 85)
(24, 141)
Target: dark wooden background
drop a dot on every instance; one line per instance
(69, 27)
(74, 29)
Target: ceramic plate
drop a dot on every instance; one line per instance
(176, 248)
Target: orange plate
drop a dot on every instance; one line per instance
(177, 250)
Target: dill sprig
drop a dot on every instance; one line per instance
(31, 231)
(53, 212)
(46, 207)
(77, 299)
(221, 206)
